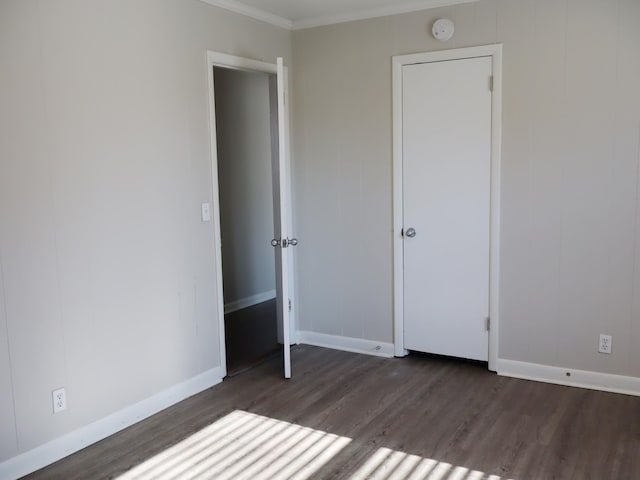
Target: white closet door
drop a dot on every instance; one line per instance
(446, 124)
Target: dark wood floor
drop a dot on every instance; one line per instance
(251, 335)
(417, 417)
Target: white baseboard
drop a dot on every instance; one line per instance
(348, 344)
(61, 447)
(577, 378)
(249, 301)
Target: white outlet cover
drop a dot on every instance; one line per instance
(59, 398)
(443, 29)
(604, 345)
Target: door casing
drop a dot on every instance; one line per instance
(398, 62)
(223, 60)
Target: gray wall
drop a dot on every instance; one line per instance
(243, 119)
(570, 239)
(107, 273)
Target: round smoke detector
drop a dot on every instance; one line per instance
(443, 29)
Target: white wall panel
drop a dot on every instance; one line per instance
(571, 133)
(8, 439)
(108, 272)
(27, 236)
(246, 188)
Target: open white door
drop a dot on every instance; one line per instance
(285, 240)
(282, 206)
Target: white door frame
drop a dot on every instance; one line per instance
(223, 60)
(398, 62)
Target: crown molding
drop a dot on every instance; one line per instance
(322, 20)
(364, 14)
(255, 13)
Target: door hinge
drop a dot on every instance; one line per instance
(289, 304)
(487, 324)
(491, 83)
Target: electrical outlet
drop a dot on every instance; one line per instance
(59, 400)
(605, 344)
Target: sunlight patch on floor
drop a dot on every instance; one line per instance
(243, 445)
(387, 464)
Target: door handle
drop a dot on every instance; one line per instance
(411, 232)
(284, 243)
(289, 242)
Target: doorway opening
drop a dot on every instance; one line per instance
(249, 125)
(247, 150)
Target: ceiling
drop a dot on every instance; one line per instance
(297, 14)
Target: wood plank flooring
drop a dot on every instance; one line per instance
(417, 417)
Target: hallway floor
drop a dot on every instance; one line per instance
(251, 336)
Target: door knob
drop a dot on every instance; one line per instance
(289, 242)
(284, 243)
(411, 232)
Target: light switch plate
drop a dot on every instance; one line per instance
(206, 212)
